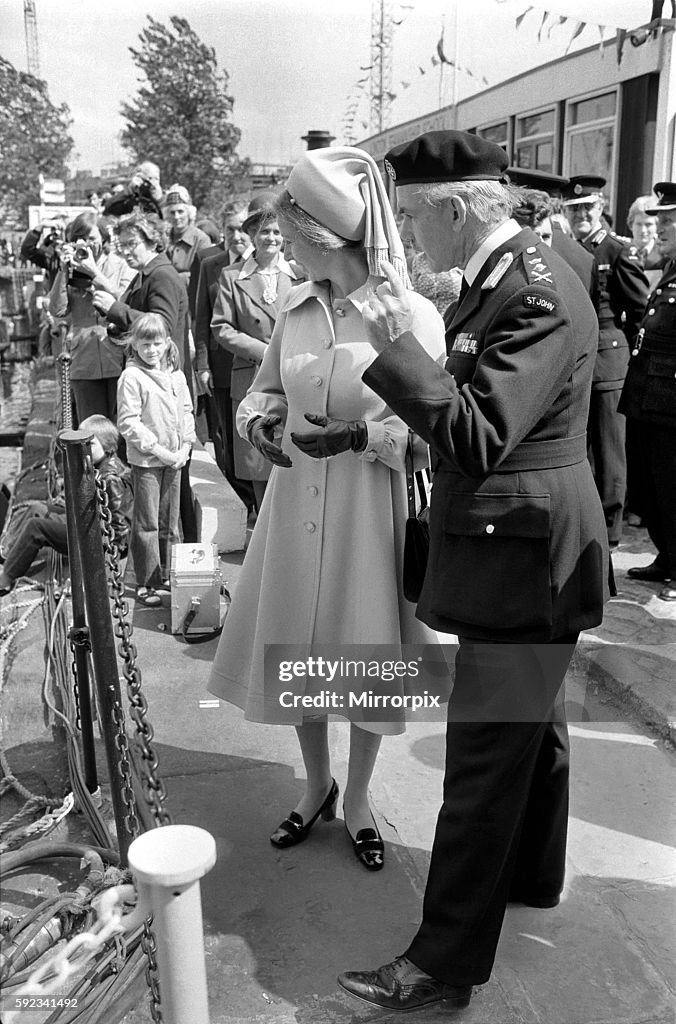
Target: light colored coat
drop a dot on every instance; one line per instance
(325, 561)
(242, 323)
(153, 407)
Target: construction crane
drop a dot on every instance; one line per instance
(380, 91)
(31, 26)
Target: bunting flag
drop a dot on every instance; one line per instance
(440, 50)
(602, 29)
(522, 16)
(579, 28)
(561, 20)
(545, 15)
(421, 70)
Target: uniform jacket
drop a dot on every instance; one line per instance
(93, 355)
(153, 407)
(117, 481)
(324, 562)
(649, 392)
(623, 290)
(157, 288)
(582, 262)
(518, 539)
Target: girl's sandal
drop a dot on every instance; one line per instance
(148, 597)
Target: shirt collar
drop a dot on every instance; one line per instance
(249, 267)
(502, 234)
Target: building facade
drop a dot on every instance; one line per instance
(586, 113)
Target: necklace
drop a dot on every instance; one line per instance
(270, 283)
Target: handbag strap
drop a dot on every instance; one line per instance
(410, 477)
(413, 479)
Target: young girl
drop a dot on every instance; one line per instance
(154, 414)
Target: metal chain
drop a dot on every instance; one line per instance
(154, 788)
(155, 791)
(149, 947)
(79, 637)
(124, 767)
(111, 921)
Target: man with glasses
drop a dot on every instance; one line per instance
(623, 290)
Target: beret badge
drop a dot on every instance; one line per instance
(390, 170)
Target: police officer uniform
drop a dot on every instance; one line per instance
(623, 290)
(517, 567)
(649, 403)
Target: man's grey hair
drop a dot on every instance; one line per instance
(490, 202)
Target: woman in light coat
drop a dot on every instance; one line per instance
(325, 561)
(250, 297)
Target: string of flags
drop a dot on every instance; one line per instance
(552, 20)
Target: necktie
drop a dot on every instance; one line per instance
(464, 288)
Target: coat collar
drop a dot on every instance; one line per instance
(249, 267)
(511, 247)
(321, 290)
(508, 229)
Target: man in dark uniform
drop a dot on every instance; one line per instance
(649, 402)
(623, 294)
(518, 555)
(540, 188)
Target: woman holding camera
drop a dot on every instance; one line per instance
(96, 361)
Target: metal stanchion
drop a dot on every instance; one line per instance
(81, 498)
(167, 864)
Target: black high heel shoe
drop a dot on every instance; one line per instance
(368, 847)
(292, 830)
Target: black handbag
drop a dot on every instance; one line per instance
(417, 539)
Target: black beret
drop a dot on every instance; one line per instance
(666, 197)
(446, 156)
(582, 188)
(553, 184)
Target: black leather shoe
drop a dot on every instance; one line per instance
(402, 986)
(292, 830)
(368, 847)
(652, 573)
(667, 593)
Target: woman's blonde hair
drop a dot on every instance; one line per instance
(150, 327)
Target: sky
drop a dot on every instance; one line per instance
(296, 65)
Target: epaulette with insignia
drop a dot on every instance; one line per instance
(621, 238)
(536, 269)
(598, 238)
(498, 271)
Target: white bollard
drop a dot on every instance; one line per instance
(167, 864)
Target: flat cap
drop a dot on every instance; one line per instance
(552, 184)
(666, 198)
(583, 188)
(446, 156)
(177, 195)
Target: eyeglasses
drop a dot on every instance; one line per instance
(129, 244)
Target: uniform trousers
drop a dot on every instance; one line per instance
(607, 455)
(653, 454)
(501, 831)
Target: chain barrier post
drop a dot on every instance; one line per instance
(168, 863)
(80, 646)
(80, 482)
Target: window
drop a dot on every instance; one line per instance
(498, 133)
(591, 130)
(535, 142)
